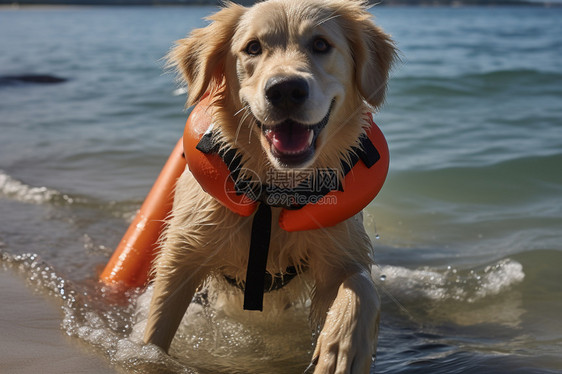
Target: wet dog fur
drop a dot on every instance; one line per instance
(280, 62)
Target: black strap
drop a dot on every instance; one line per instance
(368, 152)
(206, 143)
(256, 272)
(257, 258)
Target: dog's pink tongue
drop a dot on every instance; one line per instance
(290, 138)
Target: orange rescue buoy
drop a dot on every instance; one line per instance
(130, 264)
(361, 184)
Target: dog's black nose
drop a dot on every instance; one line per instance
(286, 93)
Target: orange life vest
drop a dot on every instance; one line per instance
(214, 171)
(217, 169)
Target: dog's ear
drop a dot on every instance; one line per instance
(200, 58)
(374, 54)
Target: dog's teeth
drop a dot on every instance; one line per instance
(310, 138)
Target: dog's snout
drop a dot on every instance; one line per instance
(286, 93)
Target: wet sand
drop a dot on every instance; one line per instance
(31, 340)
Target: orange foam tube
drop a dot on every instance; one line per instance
(130, 264)
(209, 169)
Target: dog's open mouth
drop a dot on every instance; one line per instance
(294, 143)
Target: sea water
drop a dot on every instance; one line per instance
(467, 229)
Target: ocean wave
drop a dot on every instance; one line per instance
(482, 84)
(465, 297)
(433, 86)
(450, 284)
(14, 189)
(510, 181)
(497, 75)
(510, 75)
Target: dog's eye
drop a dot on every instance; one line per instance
(253, 48)
(321, 45)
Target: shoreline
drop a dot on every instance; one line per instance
(32, 339)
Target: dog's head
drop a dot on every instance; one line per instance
(294, 73)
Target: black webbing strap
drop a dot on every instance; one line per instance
(206, 143)
(257, 259)
(261, 231)
(368, 152)
(256, 272)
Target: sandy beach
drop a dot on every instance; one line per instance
(32, 340)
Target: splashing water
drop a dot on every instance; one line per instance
(461, 296)
(17, 190)
(207, 339)
(88, 316)
(452, 284)
(210, 341)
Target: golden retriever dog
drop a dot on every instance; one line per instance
(291, 81)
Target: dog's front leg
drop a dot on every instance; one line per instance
(173, 290)
(348, 339)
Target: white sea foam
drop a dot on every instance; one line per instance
(449, 283)
(465, 297)
(14, 189)
(116, 328)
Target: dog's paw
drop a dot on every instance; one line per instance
(347, 342)
(343, 352)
